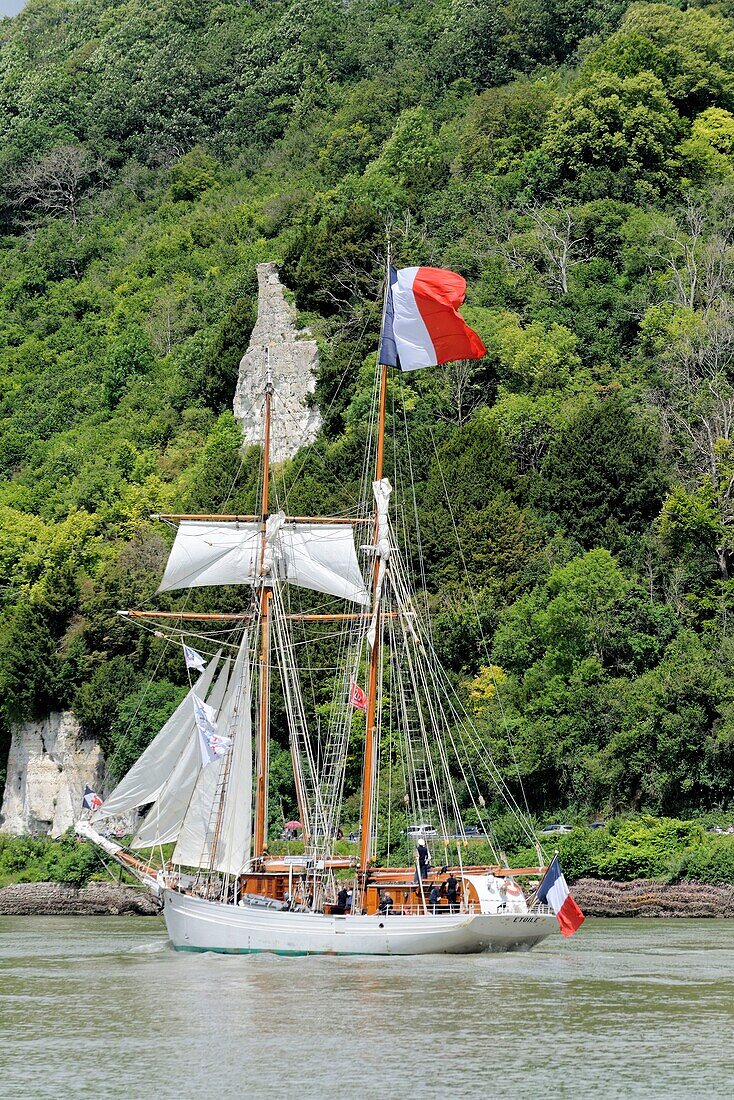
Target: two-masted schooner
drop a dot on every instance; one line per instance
(204, 779)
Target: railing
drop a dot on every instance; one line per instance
(433, 910)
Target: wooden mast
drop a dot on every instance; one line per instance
(370, 733)
(261, 790)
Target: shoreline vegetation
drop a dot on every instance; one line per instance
(633, 866)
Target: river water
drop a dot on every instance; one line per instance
(103, 1007)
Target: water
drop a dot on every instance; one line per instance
(103, 1007)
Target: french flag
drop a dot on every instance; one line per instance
(422, 326)
(554, 890)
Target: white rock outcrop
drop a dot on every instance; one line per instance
(292, 359)
(48, 767)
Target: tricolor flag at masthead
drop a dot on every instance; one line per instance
(554, 890)
(422, 326)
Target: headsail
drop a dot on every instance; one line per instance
(149, 774)
(221, 802)
(318, 556)
(163, 821)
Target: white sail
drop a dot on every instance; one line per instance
(163, 821)
(319, 556)
(145, 780)
(233, 772)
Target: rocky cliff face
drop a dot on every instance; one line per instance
(292, 358)
(48, 767)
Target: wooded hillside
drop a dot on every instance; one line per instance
(574, 160)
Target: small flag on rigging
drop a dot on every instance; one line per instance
(422, 326)
(211, 743)
(193, 659)
(357, 696)
(554, 890)
(91, 800)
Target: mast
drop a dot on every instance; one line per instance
(263, 732)
(370, 733)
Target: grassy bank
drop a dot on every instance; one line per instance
(625, 850)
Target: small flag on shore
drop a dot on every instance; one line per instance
(211, 743)
(91, 800)
(193, 659)
(422, 326)
(554, 890)
(357, 697)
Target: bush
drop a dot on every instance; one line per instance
(712, 862)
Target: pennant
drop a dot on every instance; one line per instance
(211, 743)
(422, 326)
(91, 800)
(554, 890)
(193, 659)
(357, 697)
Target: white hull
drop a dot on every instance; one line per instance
(195, 924)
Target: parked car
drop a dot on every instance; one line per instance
(470, 830)
(557, 827)
(597, 824)
(424, 829)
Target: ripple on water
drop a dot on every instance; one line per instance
(632, 1009)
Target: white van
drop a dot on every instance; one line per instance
(415, 831)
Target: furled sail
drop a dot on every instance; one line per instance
(163, 820)
(319, 556)
(227, 781)
(148, 775)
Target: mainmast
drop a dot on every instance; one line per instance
(370, 733)
(263, 738)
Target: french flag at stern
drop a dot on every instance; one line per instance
(554, 890)
(422, 326)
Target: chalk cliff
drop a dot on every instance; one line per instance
(48, 767)
(292, 359)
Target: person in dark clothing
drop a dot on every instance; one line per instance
(434, 896)
(386, 903)
(452, 891)
(341, 901)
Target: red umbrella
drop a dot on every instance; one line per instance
(293, 825)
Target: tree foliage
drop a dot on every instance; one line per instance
(574, 162)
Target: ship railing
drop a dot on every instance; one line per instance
(434, 910)
(541, 910)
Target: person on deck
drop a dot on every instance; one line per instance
(386, 903)
(341, 901)
(422, 860)
(434, 896)
(452, 891)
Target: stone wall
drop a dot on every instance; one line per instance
(292, 359)
(49, 765)
(59, 899)
(649, 898)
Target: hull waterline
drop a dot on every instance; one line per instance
(195, 924)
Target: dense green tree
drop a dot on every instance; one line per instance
(604, 474)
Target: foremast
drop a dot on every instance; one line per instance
(259, 839)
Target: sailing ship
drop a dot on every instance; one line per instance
(204, 780)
